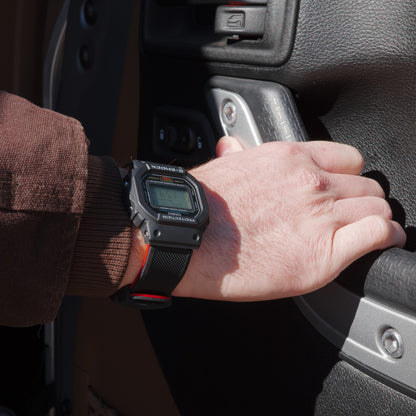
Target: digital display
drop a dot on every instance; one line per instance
(170, 196)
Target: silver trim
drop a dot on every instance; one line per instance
(356, 325)
(244, 128)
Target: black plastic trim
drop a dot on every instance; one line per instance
(92, 68)
(376, 375)
(186, 38)
(392, 279)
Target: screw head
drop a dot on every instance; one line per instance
(392, 343)
(229, 113)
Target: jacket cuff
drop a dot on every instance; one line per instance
(103, 243)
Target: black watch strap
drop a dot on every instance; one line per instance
(163, 268)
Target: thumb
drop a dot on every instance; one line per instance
(228, 144)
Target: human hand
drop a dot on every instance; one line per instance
(285, 219)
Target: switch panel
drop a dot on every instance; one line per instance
(180, 138)
(183, 135)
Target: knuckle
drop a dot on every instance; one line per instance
(321, 206)
(315, 179)
(288, 149)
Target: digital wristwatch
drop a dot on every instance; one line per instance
(169, 206)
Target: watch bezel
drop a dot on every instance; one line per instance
(160, 226)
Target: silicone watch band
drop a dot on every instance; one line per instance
(162, 270)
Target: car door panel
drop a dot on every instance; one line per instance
(348, 69)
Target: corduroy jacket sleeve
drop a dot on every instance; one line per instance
(63, 226)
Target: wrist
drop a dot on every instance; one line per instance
(218, 253)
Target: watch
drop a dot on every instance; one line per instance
(169, 206)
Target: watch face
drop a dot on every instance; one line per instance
(174, 196)
(170, 194)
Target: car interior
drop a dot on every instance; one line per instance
(163, 80)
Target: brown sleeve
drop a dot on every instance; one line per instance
(104, 238)
(43, 182)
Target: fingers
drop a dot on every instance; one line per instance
(354, 209)
(350, 186)
(227, 145)
(330, 156)
(361, 237)
(335, 157)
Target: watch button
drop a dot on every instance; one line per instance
(138, 220)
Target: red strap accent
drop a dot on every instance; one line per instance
(147, 295)
(141, 268)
